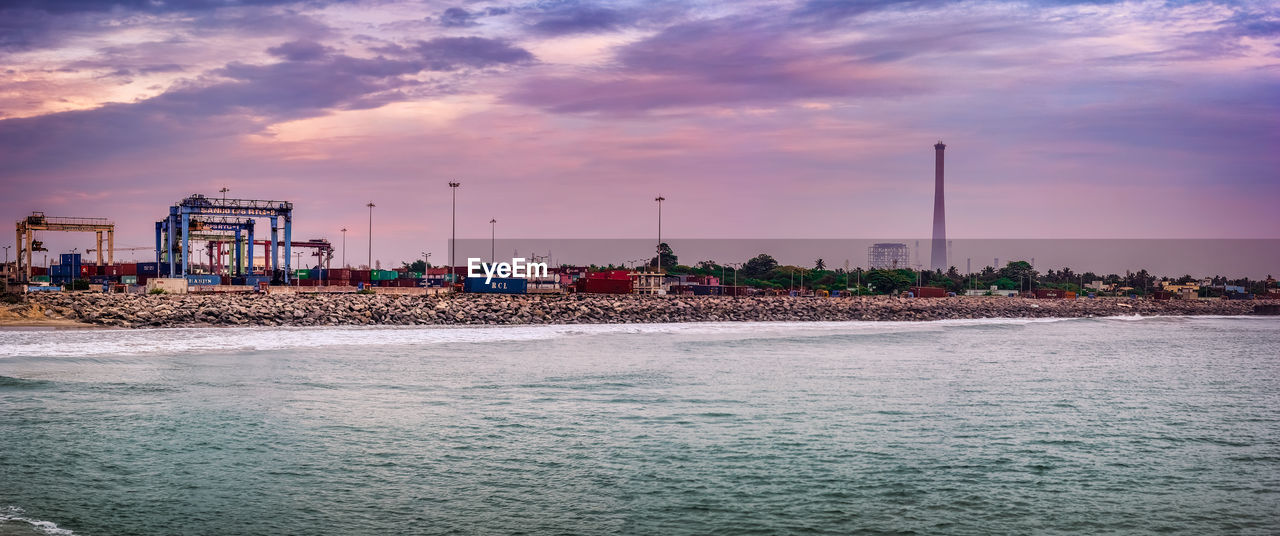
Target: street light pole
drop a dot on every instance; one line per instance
(344, 247)
(493, 239)
(370, 205)
(453, 186)
(426, 265)
(659, 199)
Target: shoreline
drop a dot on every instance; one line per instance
(99, 311)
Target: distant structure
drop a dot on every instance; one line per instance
(938, 257)
(888, 256)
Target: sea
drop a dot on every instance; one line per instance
(1124, 425)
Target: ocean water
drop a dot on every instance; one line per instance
(1084, 426)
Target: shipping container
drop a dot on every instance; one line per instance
(129, 279)
(705, 290)
(360, 275)
(410, 275)
(610, 274)
(204, 279)
(61, 270)
(147, 268)
(730, 290)
(1054, 294)
(303, 274)
(39, 270)
(339, 273)
(928, 292)
(505, 285)
(88, 270)
(117, 269)
(69, 258)
(383, 275)
(40, 278)
(604, 286)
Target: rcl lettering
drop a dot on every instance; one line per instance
(516, 268)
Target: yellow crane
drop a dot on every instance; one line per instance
(37, 221)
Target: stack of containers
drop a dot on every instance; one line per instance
(383, 278)
(360, 276)
(120, 269)
(146, 270)
(67, 270)
(340, 276)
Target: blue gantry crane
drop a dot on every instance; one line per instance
(238, 231)
(220, 214)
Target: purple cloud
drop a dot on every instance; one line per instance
(241, 98)
(718, 62)
(300, 51)
(456, 17)
(580, 18)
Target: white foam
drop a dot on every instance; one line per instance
(84, 343)
(14, 514)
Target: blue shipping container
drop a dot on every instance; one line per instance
(148, 268)
(70, 258)
(253, 280)
(62, 269)
(509, 285)
(204, 279)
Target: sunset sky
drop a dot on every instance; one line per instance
(811, 119)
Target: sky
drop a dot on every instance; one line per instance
(563, 119)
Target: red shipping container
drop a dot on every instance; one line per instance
(39, 270)
(360, 275)
(929, 292)
(87, 270)
(338, 273)
(604, 286)
(617, 275)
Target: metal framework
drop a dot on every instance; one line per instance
(207, 210)
(208, 228)
(37, 221)
(888, 256)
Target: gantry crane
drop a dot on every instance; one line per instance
(37, 221)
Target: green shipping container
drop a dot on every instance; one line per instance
(40, 278)
(302, 274)
(129, 279)
(383, 275)
(411, 275)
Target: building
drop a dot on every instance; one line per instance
(648, 282)
(888, 256)
(993, 291)
(938, 253)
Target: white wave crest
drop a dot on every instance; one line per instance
(13, 514)
(85, 343)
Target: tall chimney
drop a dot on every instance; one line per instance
(938, 258)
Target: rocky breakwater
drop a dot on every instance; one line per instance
(356, 309)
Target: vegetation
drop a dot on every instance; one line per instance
(764, 272)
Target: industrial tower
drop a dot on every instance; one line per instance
(938, 257)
